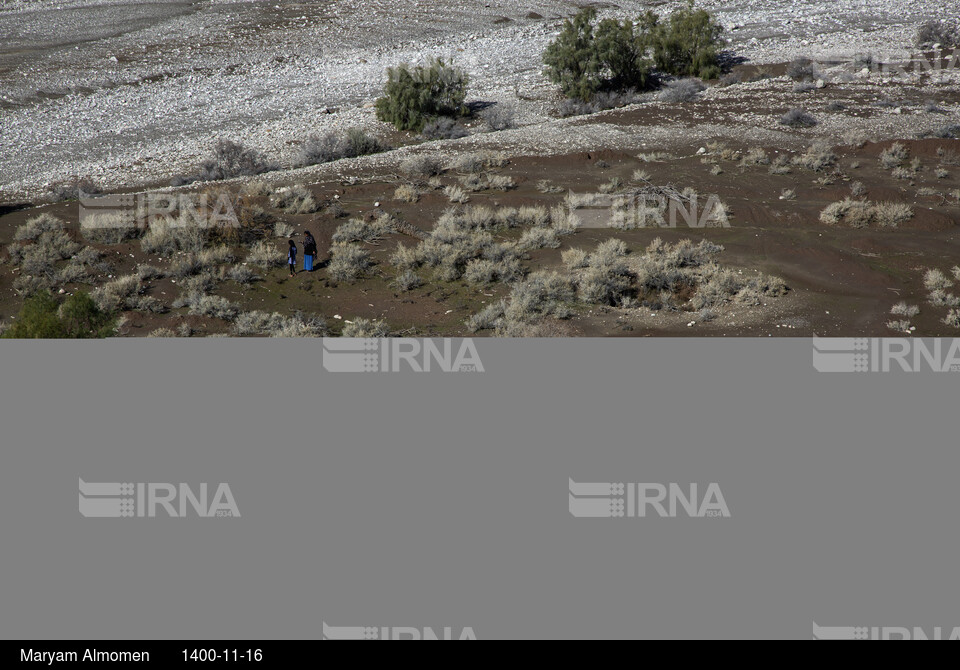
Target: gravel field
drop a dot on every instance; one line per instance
(132, 94)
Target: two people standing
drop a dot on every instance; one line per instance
(309, 254)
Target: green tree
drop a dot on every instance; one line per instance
(412, 96)
(571, 59)
(687, 44)
(81, 318)
(41, 317)
(37, 319)
(589, 57)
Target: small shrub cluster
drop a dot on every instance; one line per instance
(335, 146)
(798, 118)
(348, 262)
(863, 213)
(365, 328)
(294, 200)
(232, 159)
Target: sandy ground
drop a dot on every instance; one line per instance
(132, 94)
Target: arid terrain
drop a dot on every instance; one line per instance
(843, 226)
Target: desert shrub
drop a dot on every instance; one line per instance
(164, 239)
(780, 165)
(404, 258)
(857, 189)
(282, 229)
(541, 295)
(294, 200)
(231, 159)
(266, 255)
(940, 298)
(360, 230)
(941, 173)
(574, 259)
(74, 189)
(242, 275)
(147, 272)
(456, 194)
(300, 325)
(348, 262)
(788, 194)
(185, 266)
(108, 228)
(120, 293)
(28, 285)
(902, 326)
(903, 309)
(861, 213)
(539, 238)
(894, 156)
(950, 132)
(360, 327)
(36, 226)
(256, 188)
(219, 255)
(501, 116)
(682, 90)
(802, 69)
(892, 214)
(945, 32)
(499, 182)
(755, 156)
(935, 279)
(335, 146)
(161, 333)
(817, 157)
(412, 96)
(489, 318)
(953, 318)
(798, 118)
(257, 323)
(406, 193)
(406, 280)
(82, 318)
(215, 306)
(443, 128)
(421, 166)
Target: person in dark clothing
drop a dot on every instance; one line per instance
(309, 251)
(292, 258)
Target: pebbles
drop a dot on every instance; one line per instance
(179, 76)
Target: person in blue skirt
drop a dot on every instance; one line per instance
(292, 258)
(309, 251)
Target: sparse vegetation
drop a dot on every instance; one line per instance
(294, 200)
(338, 145)
(798, 118)
(862, 213)
(365, 328)
(231, 159)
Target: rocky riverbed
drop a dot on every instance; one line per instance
(132, 94)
